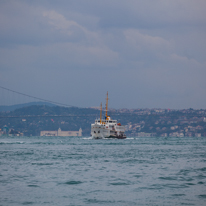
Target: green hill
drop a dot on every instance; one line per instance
(30, 120)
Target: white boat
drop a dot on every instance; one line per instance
(107, 128)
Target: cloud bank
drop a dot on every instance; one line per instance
(145, 53)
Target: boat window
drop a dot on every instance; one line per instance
(110, 121)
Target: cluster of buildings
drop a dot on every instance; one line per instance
(6, 131)
(169, 127)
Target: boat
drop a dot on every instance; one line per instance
(107, 127)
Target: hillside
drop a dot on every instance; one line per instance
(30, 120)
(18, 106)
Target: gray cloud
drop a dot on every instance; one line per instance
(145, 53)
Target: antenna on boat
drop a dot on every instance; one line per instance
(101, 113)
(106, 106)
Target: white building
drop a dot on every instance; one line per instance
(61, 133)
(197, 134)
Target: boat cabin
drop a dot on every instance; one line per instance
(106, 121)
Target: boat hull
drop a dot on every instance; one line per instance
(117, 137)
(110, 137)
(99, 132)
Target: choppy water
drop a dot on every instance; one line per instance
(81, 171)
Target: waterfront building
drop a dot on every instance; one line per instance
(61, 133)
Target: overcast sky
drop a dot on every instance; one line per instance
(146, 54)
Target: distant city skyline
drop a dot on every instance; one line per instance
(146, 54)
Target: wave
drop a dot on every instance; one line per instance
(87, 138)
(72, 182)
(9, 142)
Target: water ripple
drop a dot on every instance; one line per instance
(82, 171)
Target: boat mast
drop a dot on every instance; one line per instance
(101, 113)
(106, 105)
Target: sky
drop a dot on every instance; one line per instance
(146, 54)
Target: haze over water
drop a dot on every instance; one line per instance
(81, 171)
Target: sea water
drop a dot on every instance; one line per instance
(82, 171)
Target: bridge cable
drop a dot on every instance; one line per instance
(41, 99)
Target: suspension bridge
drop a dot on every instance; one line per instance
(9, 98)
